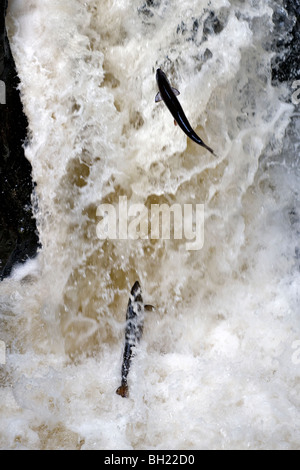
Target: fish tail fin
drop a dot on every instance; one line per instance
(210, 150)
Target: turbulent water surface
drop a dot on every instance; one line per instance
(218, 364)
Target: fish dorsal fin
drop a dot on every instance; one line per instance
(175, 91)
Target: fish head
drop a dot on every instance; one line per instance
(160, 75)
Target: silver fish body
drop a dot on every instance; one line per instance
(133, 333)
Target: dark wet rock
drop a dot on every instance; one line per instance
(146, 9)
(285, 66)
(18, 234)
(213, 25)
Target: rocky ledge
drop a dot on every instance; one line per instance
(18, 234)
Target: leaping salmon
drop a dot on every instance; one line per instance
(133, 333)
(168, 94)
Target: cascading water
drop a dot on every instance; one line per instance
(217, 366)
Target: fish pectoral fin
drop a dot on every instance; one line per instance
(175, 91)
(158, 98)
(175, 122)
(149, 308)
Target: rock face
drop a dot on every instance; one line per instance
(18, 234)
(285, 67)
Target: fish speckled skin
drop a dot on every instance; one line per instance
(168, 95)
(133, 333)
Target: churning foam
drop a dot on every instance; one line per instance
(214, 368)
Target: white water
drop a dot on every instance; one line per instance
(217, 366)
